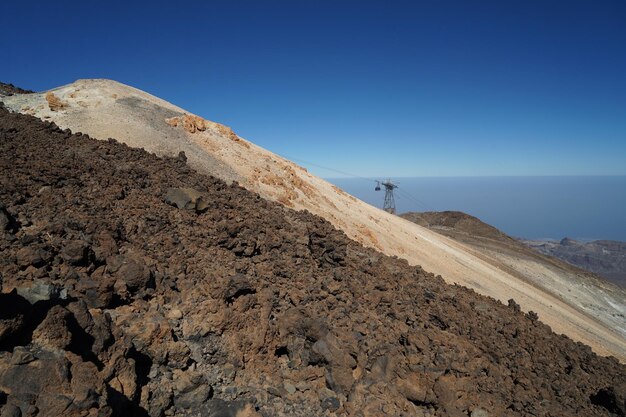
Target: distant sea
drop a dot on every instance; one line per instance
(584, 208)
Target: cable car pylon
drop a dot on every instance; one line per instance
(390, 203)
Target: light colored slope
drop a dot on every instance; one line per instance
(106, 109)
(597, 297)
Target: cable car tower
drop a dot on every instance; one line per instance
(390, 203)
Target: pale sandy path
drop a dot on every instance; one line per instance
(103, 109)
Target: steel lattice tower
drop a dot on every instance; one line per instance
(390, 203)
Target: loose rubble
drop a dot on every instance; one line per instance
(122, 296)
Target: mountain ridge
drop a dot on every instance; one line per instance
(133, 285)
(104, 108)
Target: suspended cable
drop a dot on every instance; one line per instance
(401, 191)
(415, 200)
(328, 168)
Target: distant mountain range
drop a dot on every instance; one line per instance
(606, 258)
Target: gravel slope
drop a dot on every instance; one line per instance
(104, 108)
(134, 286)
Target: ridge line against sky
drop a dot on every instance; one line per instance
(396, 89)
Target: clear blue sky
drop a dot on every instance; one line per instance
(373, 88)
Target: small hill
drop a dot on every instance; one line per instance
(455, 221)
(132, 285)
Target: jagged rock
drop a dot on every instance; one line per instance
(238, 285)
(106, 247)
(514, 306)
(532, 316)
(55, 383)
(30, 256)
(95, 324)
(121, 375)
(187, 198)
(42, 291)
(96, 292)
(135, 275)
(75, 252)
(53, 332)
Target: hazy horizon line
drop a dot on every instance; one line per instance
(478, 176)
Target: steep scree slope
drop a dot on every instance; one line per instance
(105, 108)
(589, 292)
(116, 302)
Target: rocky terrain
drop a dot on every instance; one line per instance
(134, 286)
(105, 108)
(10, 89)
(606, 258)
(589, 292)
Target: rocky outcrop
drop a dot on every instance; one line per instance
(54, 102)
(116, 300)
(189, 122)
(10, 89)
(192, 124)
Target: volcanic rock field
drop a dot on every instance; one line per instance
(134, 286)
(586, 310)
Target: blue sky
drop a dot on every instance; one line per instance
(412, 88)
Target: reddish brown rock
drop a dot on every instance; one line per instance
(245, 308)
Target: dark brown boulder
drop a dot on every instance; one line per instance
(75, 252)
(53, 382)
(53, 332)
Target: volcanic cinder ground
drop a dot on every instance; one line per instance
(132, 286)
(586, 310)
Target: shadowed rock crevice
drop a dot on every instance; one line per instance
(19, 319)
(122, 406)
(610, 400)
